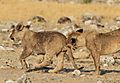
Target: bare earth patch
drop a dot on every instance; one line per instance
(25, 9)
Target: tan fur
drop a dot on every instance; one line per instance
(48, 43)
(99, 44)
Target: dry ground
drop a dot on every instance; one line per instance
(111, 74)
(22, 10)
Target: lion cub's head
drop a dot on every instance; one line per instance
(77, 38)
(18, 31)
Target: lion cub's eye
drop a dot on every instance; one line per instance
(73, 40)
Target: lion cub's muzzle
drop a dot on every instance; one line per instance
(12, 38)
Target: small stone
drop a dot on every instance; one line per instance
(4, 67)
(88, 22)
(76, 73)
(28, 80)
(29, 22)
(9, 49)
(105, 65)
(117, 18)
(10, 81)
(2, 48)
(24, 79)
(100, 81)
(109, 60)
(4, 30)
(6, 48)
(45, 70)
(82, 75)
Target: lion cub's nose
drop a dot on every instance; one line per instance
(12, 38)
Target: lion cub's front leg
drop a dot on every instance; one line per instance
(22, 58)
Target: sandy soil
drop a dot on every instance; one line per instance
(25, 9)
(12, 71)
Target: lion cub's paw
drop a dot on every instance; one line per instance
(52, 71)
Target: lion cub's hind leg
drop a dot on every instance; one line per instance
(60, 63)
(47, 61)
(71, 58)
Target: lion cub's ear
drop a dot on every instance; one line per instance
(19, 27)
(27, 26)
(80, 31)
(12, 26)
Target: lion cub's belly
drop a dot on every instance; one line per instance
(110, 48)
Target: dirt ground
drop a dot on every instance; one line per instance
(22, 10)
(12, 71)
(110, 74)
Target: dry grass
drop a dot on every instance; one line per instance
(23, 10)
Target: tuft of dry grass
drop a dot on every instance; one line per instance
(23, 10)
